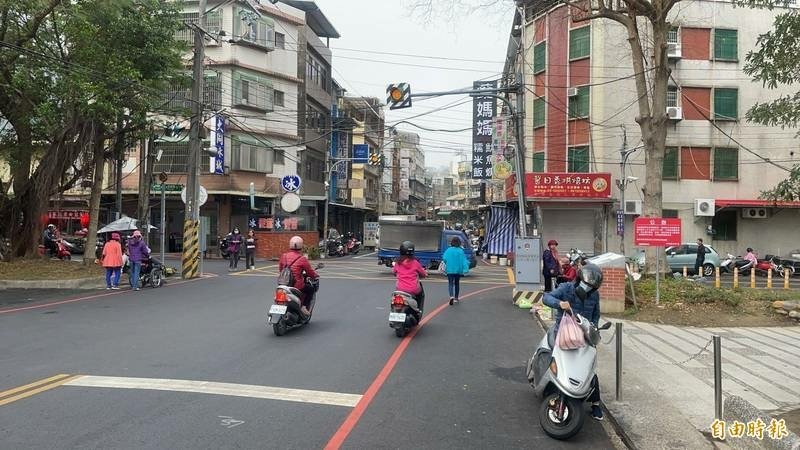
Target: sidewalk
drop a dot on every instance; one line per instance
(667, 396)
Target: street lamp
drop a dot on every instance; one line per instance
(622, 184)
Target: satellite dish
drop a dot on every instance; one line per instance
(290, 202)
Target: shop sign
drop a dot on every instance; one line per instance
(483, 114)
(66, 214)
(562, 185)
(276, 223)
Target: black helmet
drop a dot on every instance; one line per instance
(407, 248)
(589, 279)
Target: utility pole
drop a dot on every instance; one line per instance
(119, 148)
(191, 250)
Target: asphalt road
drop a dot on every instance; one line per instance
(192, 365)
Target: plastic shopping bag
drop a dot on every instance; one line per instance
(442, 268)
(570, 334)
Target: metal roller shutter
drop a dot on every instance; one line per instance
(572, 228)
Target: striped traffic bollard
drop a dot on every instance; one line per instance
(786, 279)
(716, 278)
(736, 278)
(191, 250)
(753, 277)
(769, 278)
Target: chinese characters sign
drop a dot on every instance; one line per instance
(273, 223)
(483, 113)
(656, 232)
(776, 430)
(562, 185)
(503, 152)
(66, 214)
(219, 145)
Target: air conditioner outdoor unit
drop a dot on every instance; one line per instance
(673, 50)
(633, 207)
(675, 113)
(755, 213)
(572, 92)
(704, 207)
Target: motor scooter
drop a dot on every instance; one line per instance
(63, 250)
(405, 311)
(286, 312)
(564, 379)
(352, 244)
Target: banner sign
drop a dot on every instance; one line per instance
(502, 149)
(219, 144)
(656, 232)
(562, 185)
(483, 114)
(273, 223)
(65, 214)
(620, 223)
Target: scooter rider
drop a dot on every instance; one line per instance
(751, 259)
(408, 271)
(580, 297)
(300, 268)
(49, 239)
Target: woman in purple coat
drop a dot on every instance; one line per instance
(234, 245)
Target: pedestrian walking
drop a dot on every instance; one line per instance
(552, 268)
(455, 266)
(250, 250)
(138, 252)
(112, 261)
(234, 245)
(701, 257)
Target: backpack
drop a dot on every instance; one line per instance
(286, 277)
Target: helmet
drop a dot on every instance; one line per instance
(296, 243)
(589, 280)
(407, 248)
(137, 234)
(749, 249)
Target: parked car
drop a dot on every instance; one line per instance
(684, 255)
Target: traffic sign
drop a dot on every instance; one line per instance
(656, 232)
(202, 197)
(290, 202)
(360, 153)
(291, 183)
(167, 187)
(398, 96)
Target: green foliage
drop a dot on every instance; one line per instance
(690, 292)
(312, 251)
(786, 190)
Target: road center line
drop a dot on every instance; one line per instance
(34, 388)
(210, 387)
(352, 419)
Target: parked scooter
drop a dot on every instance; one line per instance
(564, 380)
(404, 311)
(63, 250)
(335, 247)
(285, 313)
(352, 244)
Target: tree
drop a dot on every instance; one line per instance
(69, 69)
(774, 63)
(647, 25)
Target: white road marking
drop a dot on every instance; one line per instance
(364, 256)
(210, 387)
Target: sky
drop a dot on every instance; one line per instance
(387, 26)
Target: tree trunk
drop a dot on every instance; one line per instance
(94, 201)
(145, 181)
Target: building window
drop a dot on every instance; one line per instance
(251, 157)
(579, 104)
(726, 163)
(672, 36)
(316, 73)
(672, 96)
(726, 104)
(174, 157)
(315, 120)
(279, 98)
(579, 43)
(252, 30)
(695, 163)
(252, 91)
(540, 57)
(278, 154)
(724, 225)
(213, 25)
(539, 108)
(578, 159)
(670, 169)
(280, 40)
(669, 213)
(538, 162)
(726, 45)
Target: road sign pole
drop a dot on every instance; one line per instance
(658, 275)
(163, 219)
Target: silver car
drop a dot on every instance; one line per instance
(684, 255)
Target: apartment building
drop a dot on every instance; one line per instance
(581, 94)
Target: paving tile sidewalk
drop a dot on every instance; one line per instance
(668, 378)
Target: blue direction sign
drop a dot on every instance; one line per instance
(360, 153)
(291, 183)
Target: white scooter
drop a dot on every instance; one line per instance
(563, 379)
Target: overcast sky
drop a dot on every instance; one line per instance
(385, 26)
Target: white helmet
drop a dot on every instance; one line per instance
(296, 243)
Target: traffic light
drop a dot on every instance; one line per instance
(398, 96)
(374, 160)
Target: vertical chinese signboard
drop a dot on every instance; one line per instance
(483, 113)
(218, 161)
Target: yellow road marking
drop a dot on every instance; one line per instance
(34, 388)
(510, 275)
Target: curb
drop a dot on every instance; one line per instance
(79, 283)
(738, 409)
(621, 433)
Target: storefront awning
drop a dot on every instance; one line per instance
(444, 213)
(721, 203)
(344, 205)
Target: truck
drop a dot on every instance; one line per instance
(430, 239)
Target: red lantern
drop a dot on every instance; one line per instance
(84, 220)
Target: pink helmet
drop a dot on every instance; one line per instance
(137, 233)
(296, 243)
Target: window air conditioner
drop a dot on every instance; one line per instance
(673, 50)
(633, 207)
(704, 207)
(572, 92)
(675, 113)
(755, 213)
